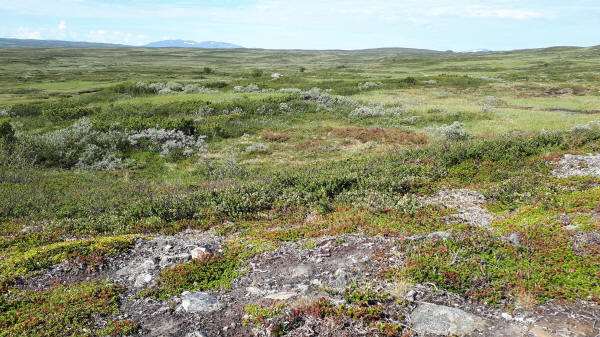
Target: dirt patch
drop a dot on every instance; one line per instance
(384, 135)
(577, 165)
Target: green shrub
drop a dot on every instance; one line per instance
(63, 311)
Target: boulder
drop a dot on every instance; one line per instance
(194, 302)
(442, 320)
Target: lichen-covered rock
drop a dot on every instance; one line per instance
(442, 320)
(194, 302)
(577, 165)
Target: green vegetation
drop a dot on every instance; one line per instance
(210, 272)
(61, 311)
(21, 260)
(363, 306)
(94, 152)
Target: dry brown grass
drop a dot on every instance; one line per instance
(384, 135)
(526, 300)
(400, 288)
(309, 145)
(274, 136)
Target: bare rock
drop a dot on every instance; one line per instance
(199, 252)
(442, 320)
(142, 280)
(577, 165)
(170, 260)
(194, 302)
(281, 296)
(468, 203)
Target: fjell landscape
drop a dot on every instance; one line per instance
(299, 179)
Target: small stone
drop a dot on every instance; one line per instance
(571, 227)
(169, 260)
(148, 264)
(311, 217)
(199, 252)
(194, 302)
(515, 239)
(301, 270)
(303, 288)
(441, 235)
(341, 279)
(281, 296)
(142, 280)
(254, 291)
(197, 333)
(442, 320)
(506, 316)
(410, 295)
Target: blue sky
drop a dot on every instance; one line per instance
(312, 24)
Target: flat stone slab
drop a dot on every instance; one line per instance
(195, 302)
(442, 320)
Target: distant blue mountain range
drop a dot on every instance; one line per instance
(7, 43)
(192, 44)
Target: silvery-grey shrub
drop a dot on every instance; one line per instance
(257, 148)
(7, 112)
(219, 169)
(318, 96)
(78, 145)
(169, 143)
(290, 90)
(249, 88)
(197, 89)
(236, 110)
(487, 108)
(369, 85)
(591, 125)
(375, 110)
(454, 131)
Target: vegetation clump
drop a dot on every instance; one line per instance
(64, 310)
(210, 272)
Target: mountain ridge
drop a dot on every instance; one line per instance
(192, 44)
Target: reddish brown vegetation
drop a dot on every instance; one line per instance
(388, 135)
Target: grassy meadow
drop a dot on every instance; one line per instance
(102, 145)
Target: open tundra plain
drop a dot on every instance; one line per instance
(389, 192)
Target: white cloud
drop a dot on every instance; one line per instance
(62, 25)
(97, 35)
(486, 12)
(100, 35)
(25, 33)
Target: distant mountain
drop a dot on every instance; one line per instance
(479, 51)
(14, 43)
(192, 44)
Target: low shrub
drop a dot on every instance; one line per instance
(452, 132)
(62, 311)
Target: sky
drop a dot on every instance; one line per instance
(458, 25)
